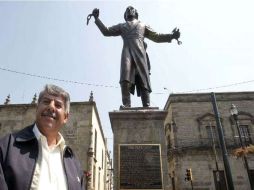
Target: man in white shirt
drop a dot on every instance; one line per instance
(36, 158)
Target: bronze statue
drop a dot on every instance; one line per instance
(135, 65)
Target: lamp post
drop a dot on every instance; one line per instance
(222, 144)
(234, 113)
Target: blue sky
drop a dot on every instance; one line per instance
(52, 39)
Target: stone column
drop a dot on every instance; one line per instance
(139, 128)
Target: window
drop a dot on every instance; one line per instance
(252, 174)
(245, 134)
(95, 143)
(212, 134)
(219, 180)
(99, 180)
(102, 159)
(173, 183)
(169, 146)
(94, 175)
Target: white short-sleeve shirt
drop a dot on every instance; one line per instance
(49, 172)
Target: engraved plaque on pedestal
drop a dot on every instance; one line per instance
(140, 166)
(139, 142)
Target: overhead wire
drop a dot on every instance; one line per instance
(111, 86)
(56, 79)
(216, 87)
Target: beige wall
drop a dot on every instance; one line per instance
(189, 145)
(76, 131)
(100, 154)
(15, 117)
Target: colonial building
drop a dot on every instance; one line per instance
(193, 143)
(83, 133)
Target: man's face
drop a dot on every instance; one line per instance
(50, 114)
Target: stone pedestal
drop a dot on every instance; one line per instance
(140, 156)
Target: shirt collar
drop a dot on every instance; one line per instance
(39, 136)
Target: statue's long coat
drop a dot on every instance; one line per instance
(134, 63)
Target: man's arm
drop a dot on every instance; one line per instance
(3, 148)
(3, 184)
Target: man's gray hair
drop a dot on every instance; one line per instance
(56, 91)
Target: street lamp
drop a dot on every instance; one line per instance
(234, 113)
(222, 143)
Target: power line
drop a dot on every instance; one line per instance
(111, 86)
(223, 86)
(56, 79)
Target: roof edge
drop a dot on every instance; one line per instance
(206, 97)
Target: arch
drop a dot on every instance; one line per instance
(204, 121)
(207, 116)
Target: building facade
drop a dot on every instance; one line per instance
(193, 142)
(83, 133)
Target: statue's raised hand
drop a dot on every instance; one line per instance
(176, 35)
(96, 13)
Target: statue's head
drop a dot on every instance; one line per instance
(130, 13)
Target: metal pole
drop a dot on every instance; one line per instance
(244, 156)
(222, 144)
(216, 160)
(214, 148)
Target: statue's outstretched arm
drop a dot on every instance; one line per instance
(106, 31)
(160, 38)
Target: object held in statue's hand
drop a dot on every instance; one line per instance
(176, 35)
(95, 13)
(88, 18)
